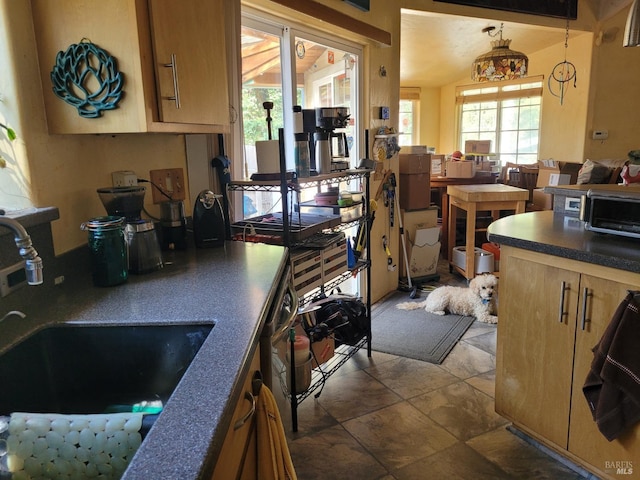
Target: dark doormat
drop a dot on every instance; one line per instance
(415, 334)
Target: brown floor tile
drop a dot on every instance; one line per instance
(408, 377)
(354, 394)
(466, 361)
(518, 458)
(485, 382)
(458, 462)
(461, 409)
(333, 454)
(399, 435)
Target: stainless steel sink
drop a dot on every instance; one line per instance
(85, 369)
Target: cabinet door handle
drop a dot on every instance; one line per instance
(585, 294)
(245, 418)
(173, 65)
(561, 312)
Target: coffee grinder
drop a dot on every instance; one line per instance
(142, 242)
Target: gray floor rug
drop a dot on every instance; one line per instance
(415, 334)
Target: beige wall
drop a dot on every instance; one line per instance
(615, 97)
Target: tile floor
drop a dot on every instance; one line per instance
(389, 417)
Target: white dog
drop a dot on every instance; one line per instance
(475, 301)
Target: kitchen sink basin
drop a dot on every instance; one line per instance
(86, 369)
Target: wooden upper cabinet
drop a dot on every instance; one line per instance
(192, 31)
(190, 61)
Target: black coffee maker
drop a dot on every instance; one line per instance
(328, 120)
(208, 220)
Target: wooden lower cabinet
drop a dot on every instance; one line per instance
(552, 312)
(239, 455)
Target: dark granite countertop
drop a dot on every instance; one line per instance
(563, 236)
(230, 285)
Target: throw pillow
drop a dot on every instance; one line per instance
(593, 172)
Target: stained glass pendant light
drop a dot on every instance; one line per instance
(501, 63)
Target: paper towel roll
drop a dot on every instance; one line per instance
(268, 156)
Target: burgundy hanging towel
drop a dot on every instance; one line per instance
(612, 387)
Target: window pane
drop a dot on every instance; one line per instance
(528, 141)
(509, 118)
(530, 118)
(527, 158)
(327, 77)
(488, 120)
(508, 142)
(261, 82)
(470, 121)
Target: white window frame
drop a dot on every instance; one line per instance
(411, 94)
(530, 87)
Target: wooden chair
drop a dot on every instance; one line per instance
(521, 176)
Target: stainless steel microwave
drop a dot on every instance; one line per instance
(613, 212)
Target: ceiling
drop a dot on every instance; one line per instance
(438, 49)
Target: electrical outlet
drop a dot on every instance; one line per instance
(600, 134)
(167, 184)
(124, 178)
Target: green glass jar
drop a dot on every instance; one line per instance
(108, 250)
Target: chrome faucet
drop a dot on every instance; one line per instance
(33, 263)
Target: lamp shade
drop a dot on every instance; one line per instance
(501, 63)
(632, 30)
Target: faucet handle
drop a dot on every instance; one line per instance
(18, 313)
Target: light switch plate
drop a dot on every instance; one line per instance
(167, 184)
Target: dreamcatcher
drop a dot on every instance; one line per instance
(564, 72)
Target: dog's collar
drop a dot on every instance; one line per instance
(485, 301)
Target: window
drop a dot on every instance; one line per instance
(409, 115)
(289, 66)
(508, 114)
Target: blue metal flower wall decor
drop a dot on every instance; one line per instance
(87, 77)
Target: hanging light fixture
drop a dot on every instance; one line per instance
(632, 30)
(501, 63)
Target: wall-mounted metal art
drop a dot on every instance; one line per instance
(87, 77)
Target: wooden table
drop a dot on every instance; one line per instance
(440, 184)
(474, 198)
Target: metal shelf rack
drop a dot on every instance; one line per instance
(286, 185)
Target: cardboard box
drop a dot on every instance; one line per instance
(477, 146)
(541, 200)
(547, 168)
(323, 351)
(463, 169)
(559, 179)
(425, 252)
(437, 165)
(415, 163)
(412, 221)
(419, 149)
(415, 191)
